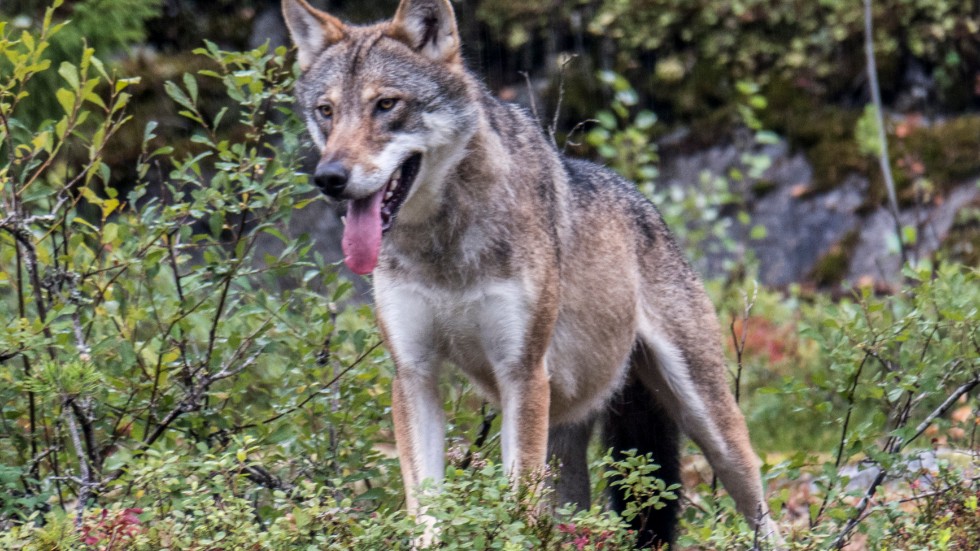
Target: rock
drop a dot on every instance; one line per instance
(801, 227)
(823, 235)
(873, 255)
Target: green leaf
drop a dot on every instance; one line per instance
(191, 84)
(178, 95)
(866, 132)
(606, 119)
(70, 73)
(110, 232)
(645, 120)
(66, 99)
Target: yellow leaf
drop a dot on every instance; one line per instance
(108, 206)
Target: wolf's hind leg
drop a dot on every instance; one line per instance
(569, 446)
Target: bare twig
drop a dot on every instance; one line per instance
(481, 438)
(941, 410)
(531, 95)
(561, 97)
(739, 340)
(325, 387)
(886, 171)
(85, 483)
(843, 433)
(576, 128)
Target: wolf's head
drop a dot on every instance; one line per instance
(389, 109)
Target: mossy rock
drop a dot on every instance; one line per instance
(962, 244)
(832, 267)
(947, 151)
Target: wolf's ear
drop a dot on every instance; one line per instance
(312, 30)
(428, 27)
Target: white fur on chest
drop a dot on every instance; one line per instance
(482, 328)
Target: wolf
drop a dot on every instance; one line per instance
(552, 283)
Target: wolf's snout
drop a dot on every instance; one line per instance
(331, 177)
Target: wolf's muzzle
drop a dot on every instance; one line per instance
(331, 177)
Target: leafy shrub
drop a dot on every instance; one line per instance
(815, 42)
(148, 320)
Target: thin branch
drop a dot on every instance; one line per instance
(886, 170)
(320, 391)
(561, 97)
(85, 483)
(942, 409)
(843, 434)
(530, 95)
(481, 438)
(576, 128)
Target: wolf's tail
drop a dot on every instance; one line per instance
(636, 421)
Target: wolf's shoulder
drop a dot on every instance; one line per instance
(595, 188)
(588, 179)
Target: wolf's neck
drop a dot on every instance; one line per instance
(473, 204)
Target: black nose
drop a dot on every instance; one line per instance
(331, 177)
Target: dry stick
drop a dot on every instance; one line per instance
(561, 97)
(86, 481)
(23, 239)
(925, 495)
(530, 95)
(739, 343)
(31, 399)
(869, 50)
(576, 128)
(481, 438)
(896, 447)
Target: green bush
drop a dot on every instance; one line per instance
(147, 320)
(820, 43)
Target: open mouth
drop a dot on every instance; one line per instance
(369, 217)
(397, 188)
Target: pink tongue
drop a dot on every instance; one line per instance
(362, 235)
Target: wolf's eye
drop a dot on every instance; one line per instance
(325, 111)
(386, 104)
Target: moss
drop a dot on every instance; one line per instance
(947, 152)
(963, 242)
(761, 188)
(832, 267)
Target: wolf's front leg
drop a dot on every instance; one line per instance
(420, 432)
(525, 401)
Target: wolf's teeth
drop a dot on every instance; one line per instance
(394, 183)
(398, 174)
(389, 195)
